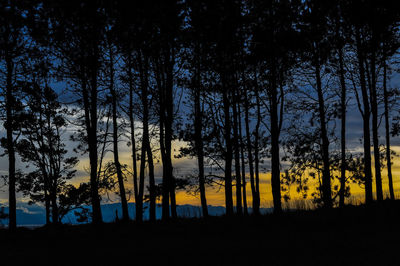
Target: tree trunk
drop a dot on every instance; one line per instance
(375, 118)
(132, 128)
(169, 107)
(228, 155)
(366, 117)
(54, 207)
(124, 203)
(326, 176)
(47, 203)
(146, 137)
(343, 108)
(245, 210)
(92, 142)
(256, 149)
(139, 204)
(199, 145)
(387, 132)
(10, 147)
(254, 193)
(275, 161)
(239, 210)
(152, 183)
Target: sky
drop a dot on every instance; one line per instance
(215, 195)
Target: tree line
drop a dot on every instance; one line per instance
(242, 83)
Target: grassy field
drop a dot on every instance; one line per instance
(352, 236)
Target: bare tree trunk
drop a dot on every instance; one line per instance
(54, 207)
(275, 161)
(343, 108)
(146, 137)
(124, 203)
(152, 183)
(10, 147)
(387, 132)
(237, 156)
(47, 203)
(326, 175)
(139, 204)
(375, 118)
(165, 179)
(132, 128)
(228, 155)
(169, 107)
(255, 198)
(198, 124)
(326, 178)
(92, 143)
(366, 117)
(245, 210)
(256, 149)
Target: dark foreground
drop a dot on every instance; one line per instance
(353, 236)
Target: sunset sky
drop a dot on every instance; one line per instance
(215, 195)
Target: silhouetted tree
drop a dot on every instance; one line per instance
(12, 49)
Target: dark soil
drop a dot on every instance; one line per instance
(352, 236)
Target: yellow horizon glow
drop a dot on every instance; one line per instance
(216, 196)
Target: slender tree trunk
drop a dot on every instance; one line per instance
(47, 205)
(387, 132)
(228, 155)
(54, 207)
(326, 176)
(146, 137)
(152, 182)
(92, 143)
(143, 152)
(375, 118)
(139, 204)
(10, 147)
(169, 107)
(256, 149)
(255, 201)
(132, 128)
(245, 210)
(165, 179)
(124, 202)
(366, 117)
(274, 128)
(343, 108)
(198, 124)
(239, 208)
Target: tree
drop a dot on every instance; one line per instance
(83, 25)
(12, 50)
(272, 45)
(42, 147)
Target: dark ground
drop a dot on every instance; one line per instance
(352, 236)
